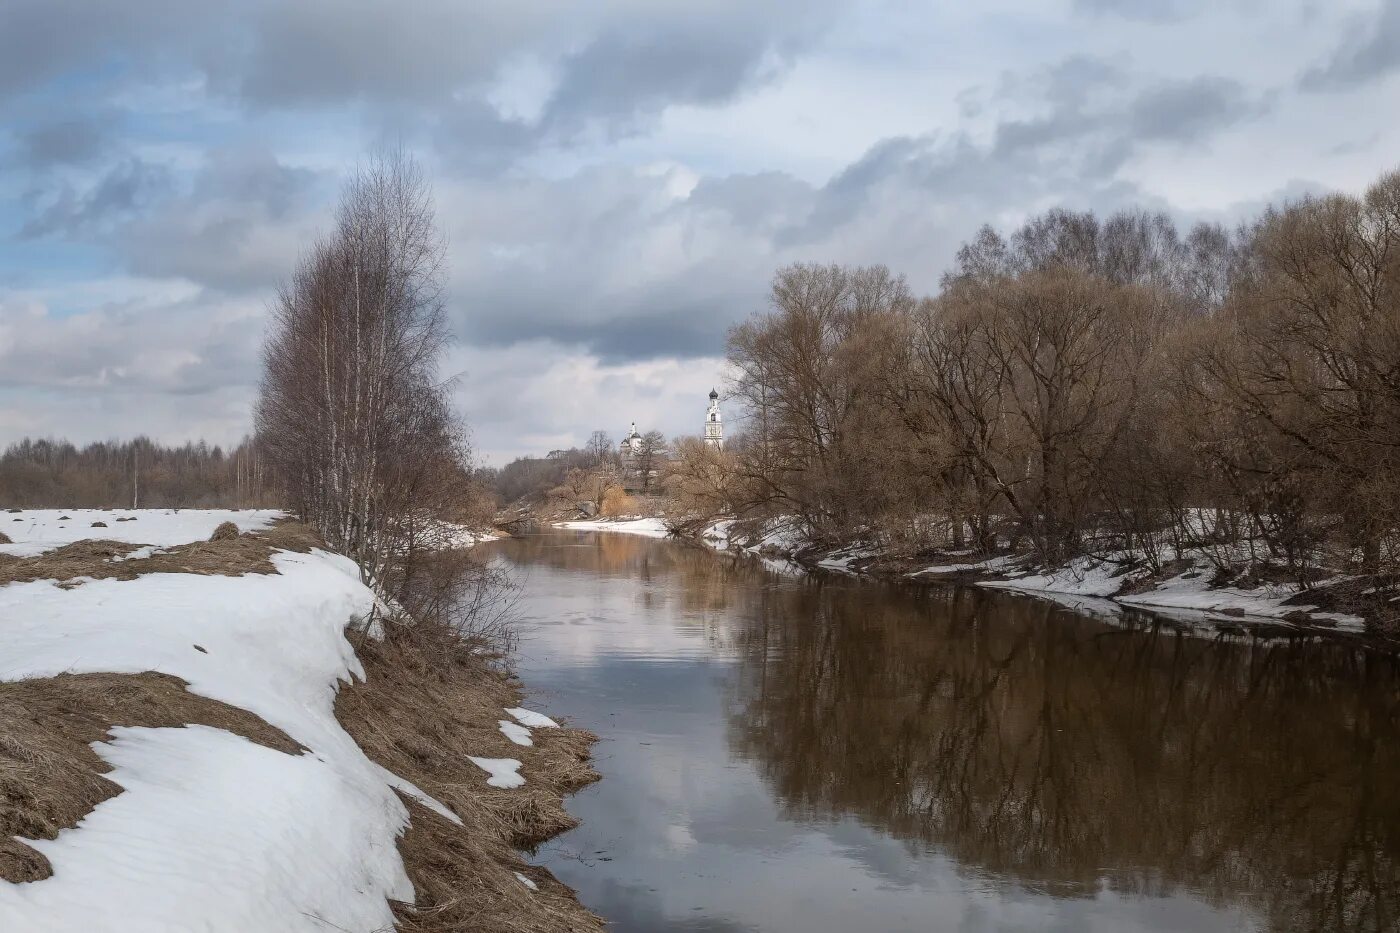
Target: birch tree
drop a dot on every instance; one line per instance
(353, 416)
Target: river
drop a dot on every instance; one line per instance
(790, 753)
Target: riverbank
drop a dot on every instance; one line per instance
(1229, 590)
(1226, 592)
(201, 734)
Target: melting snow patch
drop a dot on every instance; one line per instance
(505, 772)
(516, 733)
(141, 553)
(650, 527)
(532, 719)
(526, 881)
(211, 831)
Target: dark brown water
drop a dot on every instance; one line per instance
(782, 753)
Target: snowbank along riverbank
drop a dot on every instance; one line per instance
(199, 734)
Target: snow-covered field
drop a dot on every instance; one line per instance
(34, 531)
(211, 831)
(651, 527)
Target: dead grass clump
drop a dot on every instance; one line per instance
(50, 777)
(5, 539)
(427, 703)
(226, 531)
(99, 524)
(98, 558)
(616, 502)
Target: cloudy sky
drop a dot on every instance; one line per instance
(618, 179)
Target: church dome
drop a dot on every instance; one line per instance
(713, 395)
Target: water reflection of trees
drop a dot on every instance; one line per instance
(1068, 754)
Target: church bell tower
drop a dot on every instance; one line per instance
(714, 424)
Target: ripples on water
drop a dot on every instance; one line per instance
(784, 753)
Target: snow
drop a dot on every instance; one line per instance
(141, 553)
(990, 565)
(841, 561)
(463, 536)
(516, 732)
(526, 881)
(783, 535)
(35, 531)
(717, 534)
(505, 772)
(650, 527)
(1080, 578)
(532, 719)
(1189, 592)
(284, 849)
(213, 832)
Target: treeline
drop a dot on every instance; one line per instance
(531, 478)
(112, 474)
(1085, 385)
(597, 474)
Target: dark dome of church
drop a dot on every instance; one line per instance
(714, 394)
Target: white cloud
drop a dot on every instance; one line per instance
(535, 397)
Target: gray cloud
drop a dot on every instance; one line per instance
(120, 192)
(73, 140)
(238, 227)
(617, 64)
(1188, 111)
(178, 344)
(43, 38)
(619, 263)
(621, 79)
(334, 51)
(1158, 11)
(1370, 51)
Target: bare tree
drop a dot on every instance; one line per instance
(648, 457)
(600, 447)
(353, 418)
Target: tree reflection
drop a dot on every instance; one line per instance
(1037, 745)
(1069, 755)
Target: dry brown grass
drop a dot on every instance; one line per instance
(50, 777)
(429, 702)
(226, 531)
(250, 553)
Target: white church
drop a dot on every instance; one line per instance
(714, 424)
(713, 434)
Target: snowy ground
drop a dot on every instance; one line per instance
(211, 832)
(650, 527)
(34, 531)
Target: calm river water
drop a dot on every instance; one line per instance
(784, 753)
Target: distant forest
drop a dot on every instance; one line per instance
(57, 474)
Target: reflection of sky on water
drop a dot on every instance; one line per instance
(682, 835)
